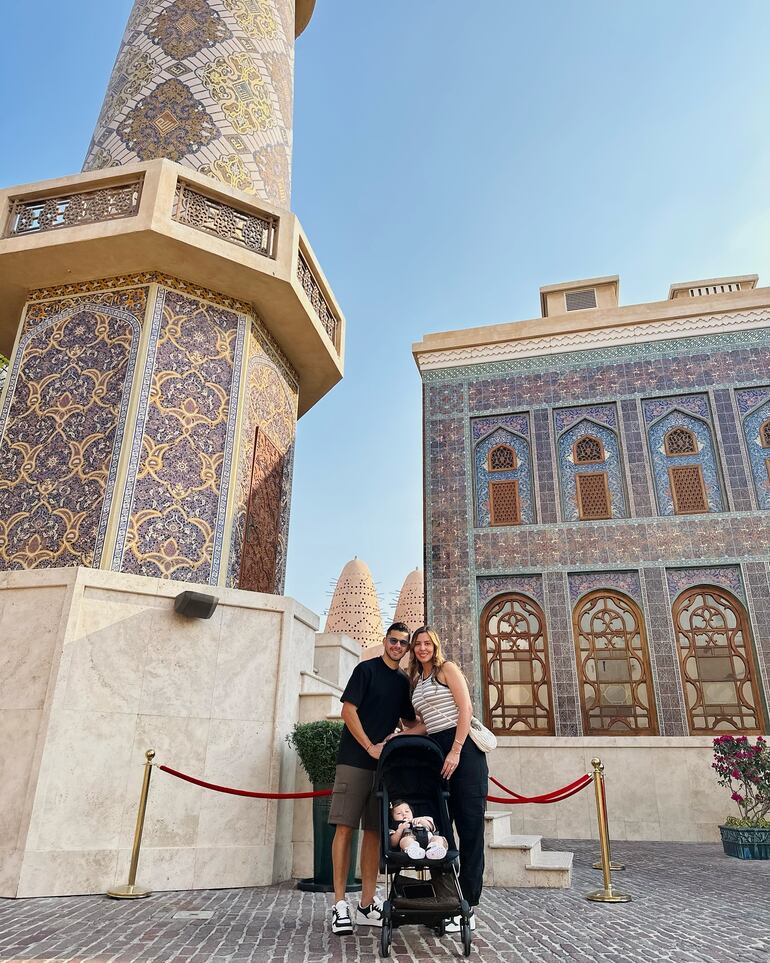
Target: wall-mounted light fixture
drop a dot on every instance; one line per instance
(195, 605)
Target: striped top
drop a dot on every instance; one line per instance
(436, 704)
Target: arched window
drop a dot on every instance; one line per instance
(514, 656)
(764, 434)
(588, 450)
(715, 653)
(613, 666)
(502, 458)
(680, 441)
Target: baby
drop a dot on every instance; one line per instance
(414, 835)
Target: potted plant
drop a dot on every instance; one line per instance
(744, 769)
(316, 745)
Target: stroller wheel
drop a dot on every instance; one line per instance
(386, 934)
(441, 928)
(465, 935)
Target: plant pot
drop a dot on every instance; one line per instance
(745, 843)
(322, 880)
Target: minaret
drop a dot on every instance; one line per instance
(410, 608)
(167, 318)
(355, 608)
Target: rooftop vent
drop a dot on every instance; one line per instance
(709, 287)
(715, 289)
(580, 300)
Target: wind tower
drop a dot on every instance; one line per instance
(167, 317)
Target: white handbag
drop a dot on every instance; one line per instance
(482, 737)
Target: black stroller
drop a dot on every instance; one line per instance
(410, 769)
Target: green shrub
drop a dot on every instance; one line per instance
(316, 744)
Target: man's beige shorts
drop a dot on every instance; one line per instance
(354, 801)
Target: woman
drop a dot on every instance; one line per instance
(441, 700)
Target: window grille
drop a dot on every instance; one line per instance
(764, 434)
(688, 490)
(715, 289)
(588, 450)
(715, 653)
(514, 653)
(580, 300)
(504, 507)
(613, 666)
(593, 495)
(502, 458)
(680, 441)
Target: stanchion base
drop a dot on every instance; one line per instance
(129, 892)
(608, 896)
(613, 866)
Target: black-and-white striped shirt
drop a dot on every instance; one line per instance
(435, 703)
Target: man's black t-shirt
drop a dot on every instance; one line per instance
(382, 697)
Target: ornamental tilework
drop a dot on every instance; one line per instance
(581, 583)
(754, 416)
(664, 414)
(271, 407)
(522, 473)
(207, 83)
(488, 587)
(62, 426)
(602, 414)
(173, 513)
(611, 466)
(725, 576)
(516, 423)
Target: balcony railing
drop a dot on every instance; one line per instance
(32, 215)
(256, 232)
(316, 297)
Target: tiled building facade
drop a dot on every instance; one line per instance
(597, 535)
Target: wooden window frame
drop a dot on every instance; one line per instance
(509, 448)
(597, 461)
(674, 468)
(767, 466)
(643, 656)
(680, 454)
(507, 481)
(749, 656)
(534, 608)
(764, 429)
(592, 518)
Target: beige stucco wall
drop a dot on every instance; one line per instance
(96, 668)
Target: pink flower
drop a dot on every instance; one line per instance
(736, 796)
(735, 774)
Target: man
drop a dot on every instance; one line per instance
(375, 699)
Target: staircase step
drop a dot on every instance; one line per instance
(497, 825)
(550, 860)
(529, 843)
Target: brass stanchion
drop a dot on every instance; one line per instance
(131, 890)
(606, 895)
(613, 865)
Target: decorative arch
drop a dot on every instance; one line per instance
(614, 677)
(514, 658)
(502, 458)
(680, 441)
(754, 408)
(588, 450)
(590, 472)
(717, 661)
(503, 479)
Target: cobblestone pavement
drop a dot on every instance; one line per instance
(691, 904)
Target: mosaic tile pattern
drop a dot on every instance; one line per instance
(612, 465)
(62, 425)
(726, 576)
(754, 415)
(663, 414)
(735, 474)
(636, 458)
(562, 656)
(669, 696)
(581, 583)
(522, 473)
(757, 580)
(173, 512)
(206, 83)
(546, 483)
(270, 406)
(531, 585)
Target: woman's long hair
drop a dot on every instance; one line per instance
(415, 668)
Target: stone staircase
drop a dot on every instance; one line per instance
(518, 861)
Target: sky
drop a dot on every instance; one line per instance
(449, 159)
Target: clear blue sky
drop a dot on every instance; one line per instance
(450, 158)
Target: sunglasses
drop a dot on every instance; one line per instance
(404, 643)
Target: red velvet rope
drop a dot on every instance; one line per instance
(244, 792)
(550, 797)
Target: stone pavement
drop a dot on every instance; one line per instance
(691, 905)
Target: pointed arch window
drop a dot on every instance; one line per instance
(502, 458)
(588, 450)
(616, 695)
(717, 661)
(764, 434)
(514, 656)
(680, 441)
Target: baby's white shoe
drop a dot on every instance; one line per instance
(415, 851)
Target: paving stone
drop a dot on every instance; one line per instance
(691, 904)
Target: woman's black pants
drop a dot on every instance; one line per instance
(468, 789)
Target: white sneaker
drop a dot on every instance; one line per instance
(437, 851)
(453, 925)
(415, 851)
(369, 915)
(341, 921)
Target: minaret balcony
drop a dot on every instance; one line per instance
(160, 217)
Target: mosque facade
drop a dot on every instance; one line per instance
(597, 486)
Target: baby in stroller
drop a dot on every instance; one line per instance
(415, 835)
